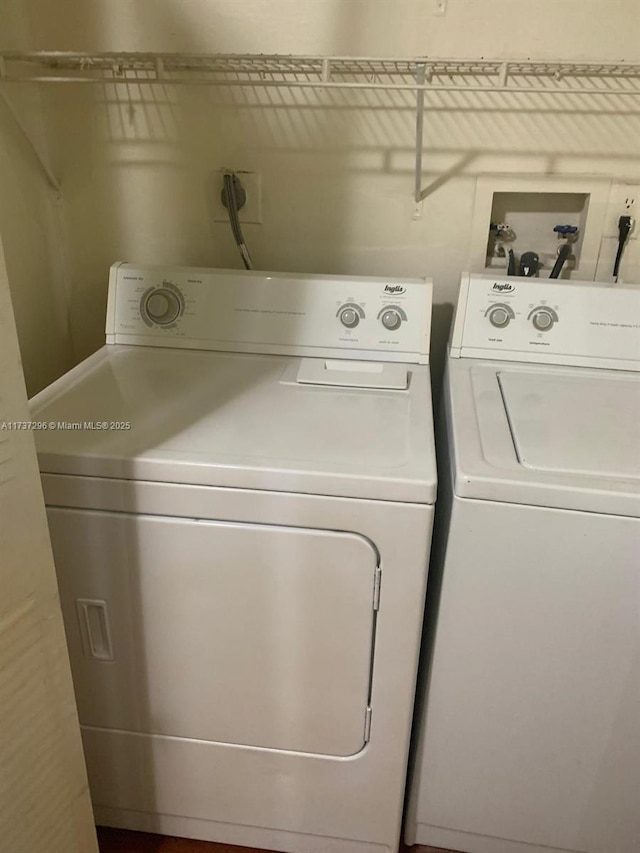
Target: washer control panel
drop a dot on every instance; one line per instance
(564, 322)
(374, 318)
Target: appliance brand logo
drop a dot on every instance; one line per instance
(394, 288)
(503, 287)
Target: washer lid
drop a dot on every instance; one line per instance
(545, 436)
(574, 424)
(238, 421)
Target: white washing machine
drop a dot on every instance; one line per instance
(240, 491)
(529, 733)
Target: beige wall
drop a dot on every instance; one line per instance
(29, 225)
(136, 164)
(545, 29)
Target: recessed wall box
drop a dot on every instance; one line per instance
(532, 207)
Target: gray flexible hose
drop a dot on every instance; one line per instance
(229, 182)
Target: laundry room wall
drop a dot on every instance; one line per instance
(28, 223)
(138, 164)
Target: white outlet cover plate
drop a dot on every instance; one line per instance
(251, 213)
(623, 201)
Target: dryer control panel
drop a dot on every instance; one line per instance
(548, 321)
(372, 318)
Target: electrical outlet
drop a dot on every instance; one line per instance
(623, 201)
(251, 213)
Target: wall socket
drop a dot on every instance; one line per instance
(251, 213)
(623, 201)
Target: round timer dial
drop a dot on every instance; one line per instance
(162, 306)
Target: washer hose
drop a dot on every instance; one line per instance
(230, 197)
(563, 254)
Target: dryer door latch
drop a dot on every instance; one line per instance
(377, 578)
(367, 724)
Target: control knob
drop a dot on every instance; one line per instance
(499, 317)
(542, 320)
(162, 306)
(349, 317)
(391, 319)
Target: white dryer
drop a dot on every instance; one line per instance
(240, 490)
(529, 733)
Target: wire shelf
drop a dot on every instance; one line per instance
(413, 74)
(418, 75)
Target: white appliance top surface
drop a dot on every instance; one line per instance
(545, 435)
(238, 420)
(586, 425)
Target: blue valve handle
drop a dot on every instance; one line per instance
(564, 230)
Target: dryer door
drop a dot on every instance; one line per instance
(236, 633)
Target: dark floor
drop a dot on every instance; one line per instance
(119, 841)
